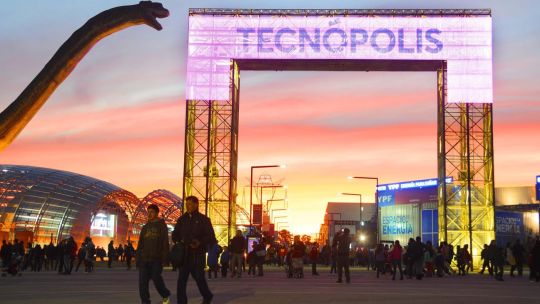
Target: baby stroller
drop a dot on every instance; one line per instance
(297, 267)
(294, 267)
(287, 264)
(13, 266)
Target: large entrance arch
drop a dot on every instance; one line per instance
(456, 44)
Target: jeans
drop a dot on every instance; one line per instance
(224, 268)
(194, 265)
(236, 264)
(260, 262)
(396, 265)
(68, 263)
(343, 262)
(151, 271)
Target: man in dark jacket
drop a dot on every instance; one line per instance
(237, 247)
(519, 254)
(152, 253)
(195, 231)
(342, 242)
(111, 252)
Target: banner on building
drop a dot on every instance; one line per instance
(509, 227)
(399, 222)
(257, 214)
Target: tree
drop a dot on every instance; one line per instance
(305, 239)
(285, 237)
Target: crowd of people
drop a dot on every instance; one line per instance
(199, 250)
(63, 257)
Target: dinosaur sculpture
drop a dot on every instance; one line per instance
(17, 115)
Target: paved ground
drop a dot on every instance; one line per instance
(120, 286)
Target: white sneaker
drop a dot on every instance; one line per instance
(166, 301)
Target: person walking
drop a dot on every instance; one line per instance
(395, 257)
(314, 257)
(111, 253)
(70, 252)
(195, 231)
(260, 253)
(333, 260)
(485, 258)
(534, 262)
(342, 241)
(152, 253)
(212, 259)
(418, 258)
(379, 259)
(224, 261)
(237, 247)
(81, 254)
(90, 255)
(429, 259)
(498, 262)
(129, 252)
(519, 255)
(252, 259)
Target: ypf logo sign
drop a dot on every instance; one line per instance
(386, 199)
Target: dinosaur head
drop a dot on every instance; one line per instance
(151, 11)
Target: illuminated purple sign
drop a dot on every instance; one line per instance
(464, 42)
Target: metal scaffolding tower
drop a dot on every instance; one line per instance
(211, 155)
(465, 153)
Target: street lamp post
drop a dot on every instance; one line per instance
(271, 187)
(251, 191)
(376, 199)
(361, 208)
(274, 210)
(333, 224)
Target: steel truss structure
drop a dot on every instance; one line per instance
(211, 155)
(465, 153)
(465, 131)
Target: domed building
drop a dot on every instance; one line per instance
(41, 205)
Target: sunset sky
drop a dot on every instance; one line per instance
(120, 115)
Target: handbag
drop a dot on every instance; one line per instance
(177, 254)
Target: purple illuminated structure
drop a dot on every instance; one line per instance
(464, 42)
(456, 44)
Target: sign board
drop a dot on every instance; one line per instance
(399, 222)
(103, 224)
(411, 192)
(508, 227)
(257, 214)
(216, 38)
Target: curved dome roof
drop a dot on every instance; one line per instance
(53, 204)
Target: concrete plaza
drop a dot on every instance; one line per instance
(120, 286)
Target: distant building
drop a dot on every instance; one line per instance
(40, 205)
(347, 215)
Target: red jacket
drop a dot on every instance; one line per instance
(314, 254)
(395, 254)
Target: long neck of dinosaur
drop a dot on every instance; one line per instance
(17, 115)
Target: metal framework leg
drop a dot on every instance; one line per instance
(465, 152)
(211, 155)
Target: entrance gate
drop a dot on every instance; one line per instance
(456, 44)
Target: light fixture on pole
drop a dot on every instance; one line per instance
(376, 179)
(251, 190)
(274, 210)
(333, 223)
(361, 208)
